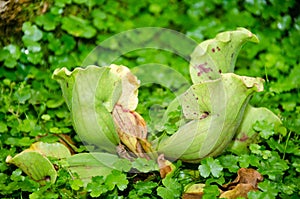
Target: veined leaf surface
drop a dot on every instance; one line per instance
(218, 55)
(215, 109)
(91, 95)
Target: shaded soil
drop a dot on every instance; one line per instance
(12, 15)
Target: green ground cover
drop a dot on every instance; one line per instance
(56, 34)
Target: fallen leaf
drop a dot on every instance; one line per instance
(35, 165)
(192, 195)
(56, 150)
(68, 142)
(246, 181)
(241, 190)
(246, 176)
(194, 191)
(165, 166)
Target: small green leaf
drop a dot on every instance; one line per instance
(80, 1)
(31, 32)
(255, 148)
(16, 175)
(144, 187)
(216, 169)
(96, 187)
(230, 162)
(265, 129)
(62, 3)
(78, 27)
(211, 191)
(49, 21)
(210, 166)
(273, 166)
(155, 8)
(3, 127)
(14, 51)
(61, 45)
(10, 63)
(76, 184)
(269, 187)
(4, 54)
(32, 46)
(165, 193)
(54, 103)
(204, 170)
(24, 141)
(23, 94)
(245, 160)
(55, 130)
(46, 117)
(35, 57)
(171, 189)
(27, 125)
(116, 178)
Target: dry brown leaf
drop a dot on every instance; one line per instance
(130, 85)
(246, 181)
(194, 192)
(192, 195)
(68, 142)
(241, 190)
(131, 128)
(165, 166)
(246, 176)
(123, 153)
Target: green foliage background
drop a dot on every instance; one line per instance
(61, 34)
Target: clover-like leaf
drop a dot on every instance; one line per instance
(31, 32)
(96, 187)
(143, 188)
(171, 189)
(116, 178)
(14, 50)
(49, 21)
(76, 184)
(210, 166)
(78, 27)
